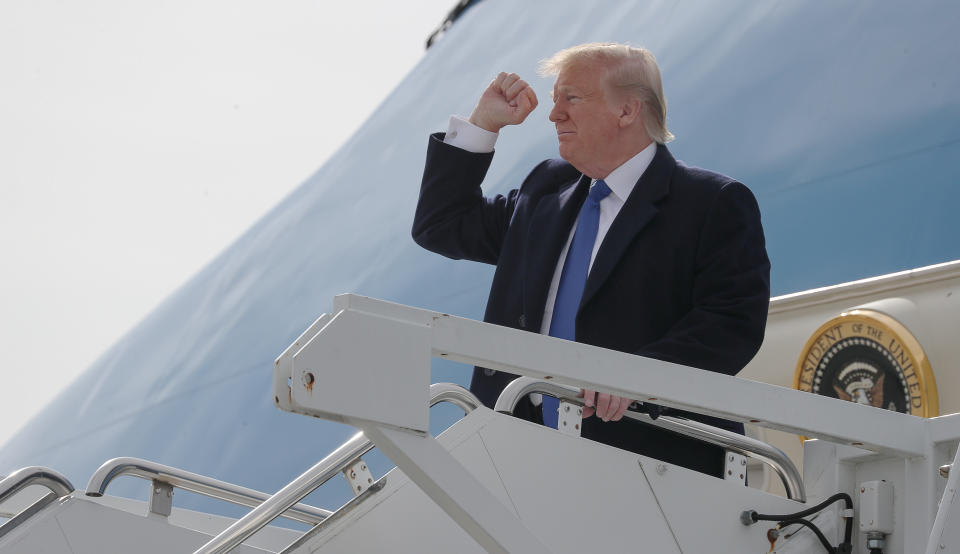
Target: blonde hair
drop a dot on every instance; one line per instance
(629, 69)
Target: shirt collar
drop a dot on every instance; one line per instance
(622, 179)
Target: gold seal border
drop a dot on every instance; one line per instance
(930, 400)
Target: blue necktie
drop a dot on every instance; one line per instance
(572, 280)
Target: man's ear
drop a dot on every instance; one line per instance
(630, 111)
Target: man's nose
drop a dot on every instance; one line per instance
(556, 114)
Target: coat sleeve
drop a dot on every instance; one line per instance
(453, 217)
(731, 290)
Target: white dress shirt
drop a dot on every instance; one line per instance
(463, 134)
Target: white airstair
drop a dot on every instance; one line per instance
(494, 483)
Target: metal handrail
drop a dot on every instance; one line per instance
(746, 446)
(334, 463)
(193, 482)
(34, 475)
(453, 394)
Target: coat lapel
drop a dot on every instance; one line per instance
(636, 212)
(550, 227)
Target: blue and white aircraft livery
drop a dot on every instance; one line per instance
(842, 117)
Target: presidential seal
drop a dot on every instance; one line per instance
(868, 357)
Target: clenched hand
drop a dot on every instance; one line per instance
(507, 101)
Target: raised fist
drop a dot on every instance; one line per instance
(507, 101)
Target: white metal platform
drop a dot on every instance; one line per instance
(495, 483)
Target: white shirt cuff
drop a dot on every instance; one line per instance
(467, 136)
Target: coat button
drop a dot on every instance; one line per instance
(523, 321)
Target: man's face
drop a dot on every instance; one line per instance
(585, 120)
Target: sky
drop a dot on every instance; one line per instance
(139, 139)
